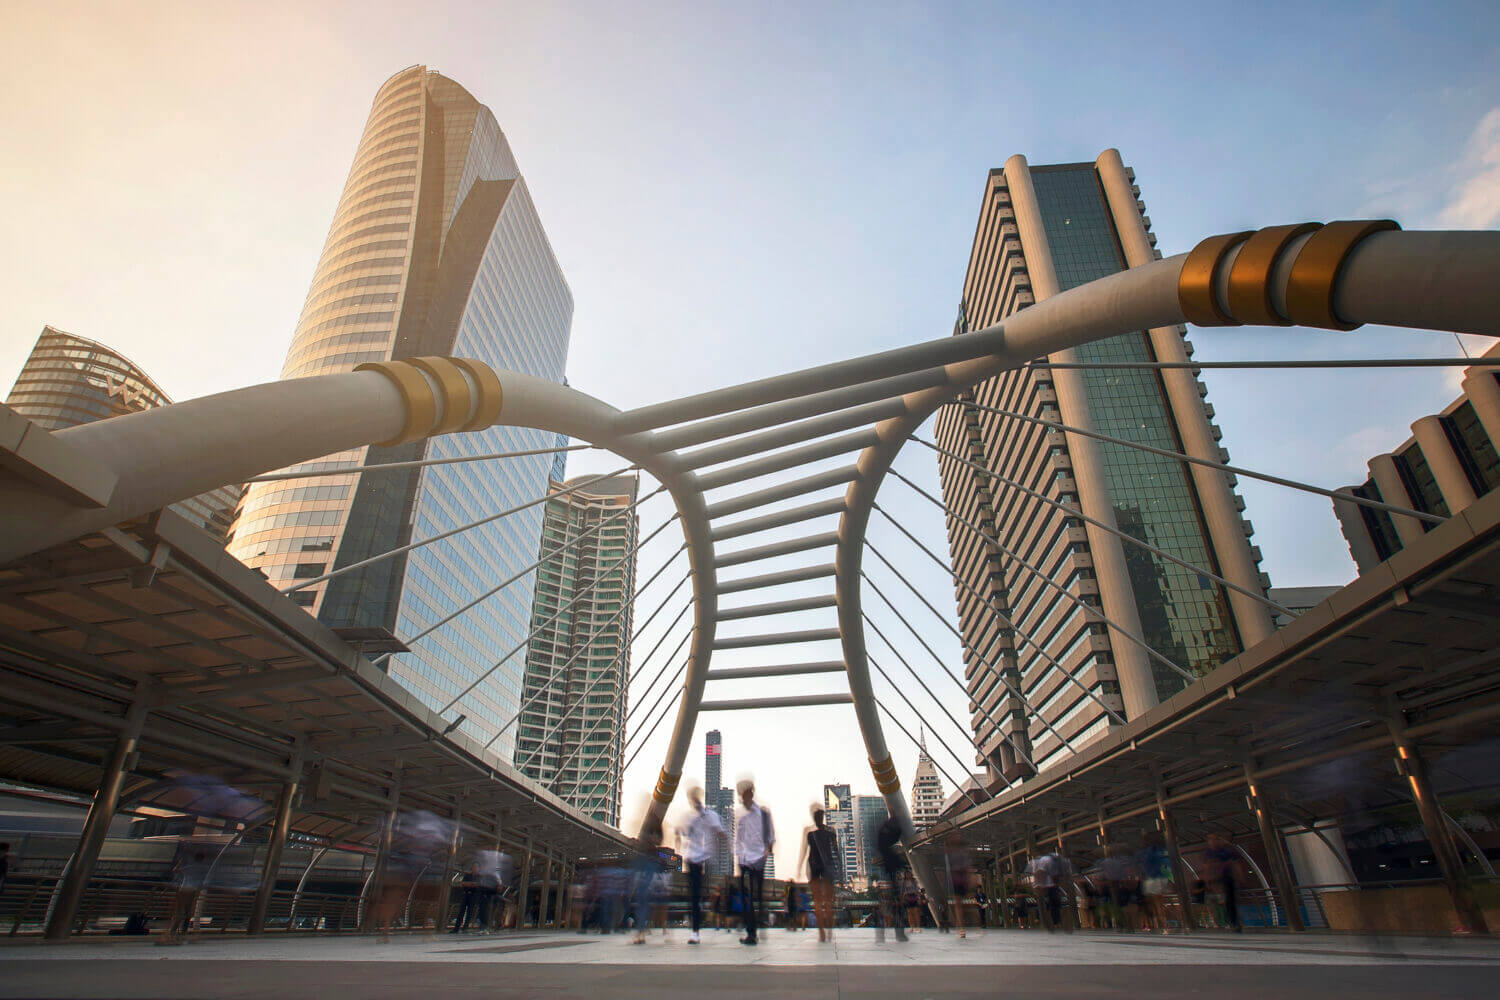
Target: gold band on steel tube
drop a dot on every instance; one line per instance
(1250, 276)
(491, 396)
(457, 399)
(666, 786)
(886, 779)
(416, 393)
(1315, 272)
(1195, 283)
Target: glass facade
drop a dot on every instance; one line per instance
(67, 381)
(571, 735)
(1185, 615)
(435, 248)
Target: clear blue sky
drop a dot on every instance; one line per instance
(737, 189)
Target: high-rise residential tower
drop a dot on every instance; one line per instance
(1041, 231)
(435, 249)
(571, 734)
(926, 791)
(67, 381)
(720, 800)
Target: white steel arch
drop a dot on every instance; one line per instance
(1336, 277)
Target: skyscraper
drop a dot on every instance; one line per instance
(838, 813)
(1041, 231)
(435, 249)
(720, 800)
(1451, 459)
(926, 791)
(869, 813)
(571, 734)
(67, 381)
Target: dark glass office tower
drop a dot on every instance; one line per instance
(719, 799)
(1041, 231)
(435, 249)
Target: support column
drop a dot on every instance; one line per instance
(1133, 668)
(445, 887)
(1174, 856)
(1411, 765)
(274, 848)
(1483, 390)
(1446, 469)
(75, 878)
(1231, 547)
(1280, 870)
(382, 851)
(544, 904)
(523, 887)
(1392, 491)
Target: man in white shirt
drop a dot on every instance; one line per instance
(753, 838)
(696, 841)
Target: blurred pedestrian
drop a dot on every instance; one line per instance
(1156, 877)
(960, 878)
(820, 850)
(468, 905)
(888, 852)
(1047, 873)
(647, 867)
(1222, 878)
(696, 841)
(754, 836)
(790, 899)
(911, 899)
(189, 870)
(4, 865)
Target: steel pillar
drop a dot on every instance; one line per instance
(544, 904)
(1281, 871)
(445, 887)
(1412, 767)
(1174, 855)
(523, 888)
(81, 866)
(275, 845)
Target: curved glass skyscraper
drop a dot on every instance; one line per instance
(435, 248)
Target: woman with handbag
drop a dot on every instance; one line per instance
(822, 853)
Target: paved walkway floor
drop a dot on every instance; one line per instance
(563, 964)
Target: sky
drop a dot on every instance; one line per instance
(736, 190)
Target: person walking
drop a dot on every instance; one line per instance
(911, 898)
(647, 867)
(696, 841)
(888, 849)
(1223, 865)
(1156, 877)
(820, 851)
(754, 836)
(469, 903)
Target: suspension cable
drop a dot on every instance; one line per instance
(1216, 466)
(1273, 365)
(464, 527)
(652, 732)
(582, 739)
(353, 470)
(959, 786)
(963, 687)
(583, 647)
(998, 673)
(1044, 578)
(1117, 532)
(556, 671)
(671, 657)
(672, 685)
(1004, 620)
(600, 578)
(944, 708)
(646, 692)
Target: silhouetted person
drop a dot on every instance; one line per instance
(1223, 864)
(821, 850)
(754, 837)
(469, 904)
(888, 850)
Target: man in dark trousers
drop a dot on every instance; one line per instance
(753, 839)
(470, 905)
